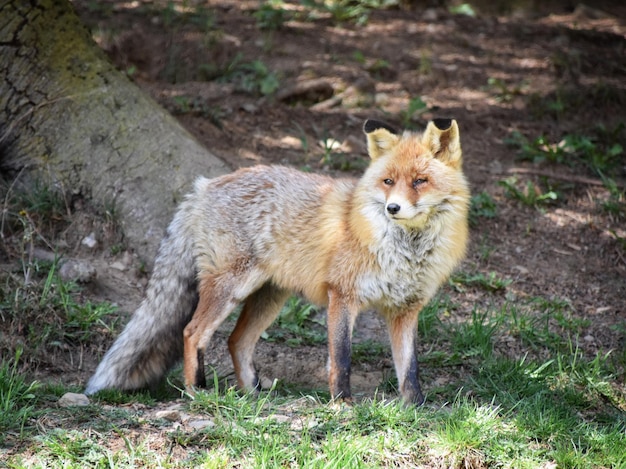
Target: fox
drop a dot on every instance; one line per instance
(385, 241)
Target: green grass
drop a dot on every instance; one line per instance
(490, 282)
(566, 408)
(16, 398)
(48, 312)
(521, 413)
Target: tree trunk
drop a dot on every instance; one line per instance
(67, 114)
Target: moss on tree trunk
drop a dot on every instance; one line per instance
(69, 115)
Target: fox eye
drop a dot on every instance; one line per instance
(419, 182)
(388, 182)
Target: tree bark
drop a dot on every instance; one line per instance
(68, 115)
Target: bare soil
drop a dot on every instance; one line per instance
(332, 76)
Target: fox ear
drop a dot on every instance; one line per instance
(441, 137)
(380, 137)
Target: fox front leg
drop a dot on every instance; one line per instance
(341, 318)
(403, 335)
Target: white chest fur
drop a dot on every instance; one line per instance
(404, 264)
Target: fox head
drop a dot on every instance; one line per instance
(416, 175)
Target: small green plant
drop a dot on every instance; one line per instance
(599, 158)
(256, 78)
(116, 249)
(416, 107)
(369, 351)
(375, 66)
(485, 249)
(297, 324)
(330, 148)
(117, 397)
(537, 150)
(131, 71)
(531, 195)
(600, 153)
(426, 62)
(35, 209)
(615, 205)
(462, 9)
(174, 16)
(567, 63)
(557, 105)
(271, 15)
(379, 68)
(334, 157)
(482, 205)
(353, 11)
(490, 282)
(195, 106)
(503, 91)
(252, 77)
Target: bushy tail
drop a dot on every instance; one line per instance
(152, 341)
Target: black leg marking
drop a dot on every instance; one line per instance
(200, 375)
(411, 391)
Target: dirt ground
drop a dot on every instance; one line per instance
(537, 72)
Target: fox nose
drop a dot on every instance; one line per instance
(393, 208)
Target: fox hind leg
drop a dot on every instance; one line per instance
(259, 311)
(217, 298)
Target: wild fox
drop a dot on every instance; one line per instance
(386, 241)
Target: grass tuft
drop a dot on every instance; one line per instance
(17, 398)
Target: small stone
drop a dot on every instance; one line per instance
(77, 271)
(89, 241)
(169, 414)
(266, 383)
(430, 14)
(522, 270)
(119, 265)
(201, 424)
(250, 108)
(70, 399)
